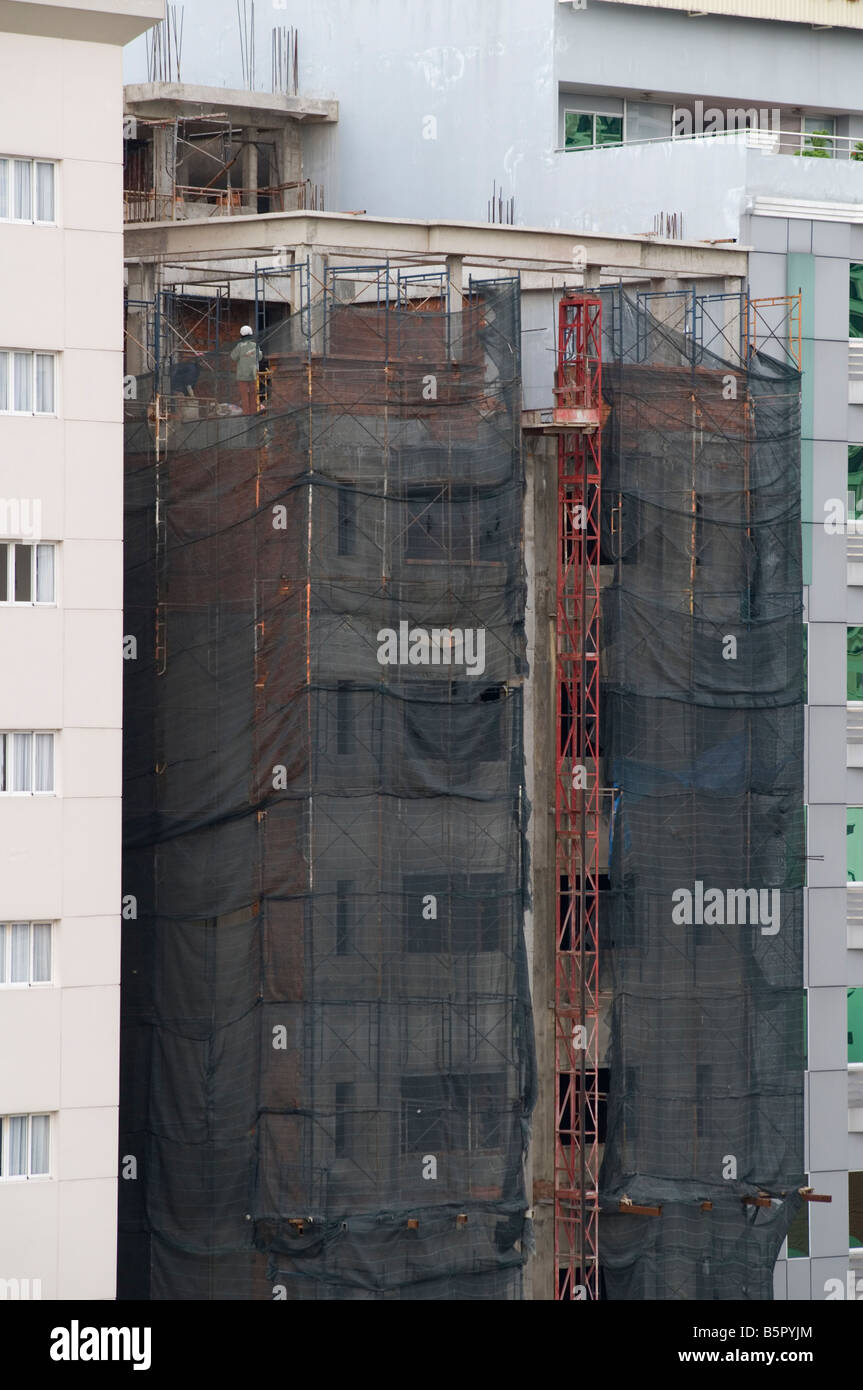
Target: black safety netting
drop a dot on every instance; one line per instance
(702, 703)
(327, 1045)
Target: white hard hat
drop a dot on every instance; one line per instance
(245, 331)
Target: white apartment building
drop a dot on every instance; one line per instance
(61, 527)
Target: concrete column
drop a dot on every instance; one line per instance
(592, 277)
(164, 170)
(289, 162)
(249, 167)
(311, 299)
(540, 536)
(141, 286)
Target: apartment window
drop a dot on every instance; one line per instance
(797, 1247)
(818, 134)
(855, 1211)
(25, 1146)
(584, 129)
(344, 900)
(347, 519)
(426, 913)
(648, 120)
(855, 1024)
(25, 953)
(344, 1119)
(855, 319)
(26, 190)
(26, 573)
(344, 717)
(26, 763)
(854, 665)
(27, 382)
(703, 1100)
(855, 476)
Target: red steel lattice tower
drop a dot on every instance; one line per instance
(578, 419)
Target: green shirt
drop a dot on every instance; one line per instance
(247, 355)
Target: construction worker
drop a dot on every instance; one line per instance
(185, 373)
(247, 356)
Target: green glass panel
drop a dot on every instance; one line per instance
(578, 130)
(855, 294)
(609, 130)
(855, 1210)
(855, 478)
(854, 684)
(855, 1025)
(854, 843)
(798, 1234)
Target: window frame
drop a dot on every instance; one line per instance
(12, 542)
(595, 116)
(29, 1176)
(825, 130)
(855, 1251)
(33, 353)
(6, 982)
(857, 699)
(12, 160)
(7, 762)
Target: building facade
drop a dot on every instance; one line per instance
(731, 125)
(61, 635)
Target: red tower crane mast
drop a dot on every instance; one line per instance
(578, 418)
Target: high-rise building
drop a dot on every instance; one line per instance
(61, 639)
(734, 123)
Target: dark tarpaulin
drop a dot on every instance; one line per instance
(702, 712)
(301, 1034)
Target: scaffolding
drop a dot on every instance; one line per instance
(327, 1040)
(702, 701)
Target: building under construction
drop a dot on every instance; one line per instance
(463, 788)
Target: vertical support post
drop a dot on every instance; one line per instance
(455, 318)
(250, 171)
(289, 167)
(577, 806)
(141, 294)
(164, 171)
(314, 329)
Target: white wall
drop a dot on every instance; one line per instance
(62, 666)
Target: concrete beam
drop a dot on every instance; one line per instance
(88, 21)
(264, 110)
(476, 243)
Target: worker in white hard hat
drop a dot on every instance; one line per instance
(247, 356)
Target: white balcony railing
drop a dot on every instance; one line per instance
(854, 914)
(854, 721)
(855, 371)
(803, 144)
